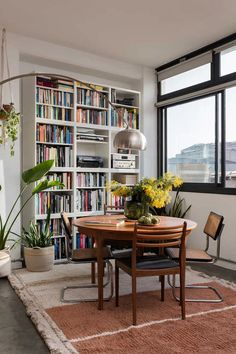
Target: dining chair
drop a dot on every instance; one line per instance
(153, 265)
(119, 249)
(85, 255)
(212, 230)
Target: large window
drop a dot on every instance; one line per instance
(190, 148)
(197, 118)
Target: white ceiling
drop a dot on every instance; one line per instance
(147, 32)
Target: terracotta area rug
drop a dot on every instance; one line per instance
(82, 328)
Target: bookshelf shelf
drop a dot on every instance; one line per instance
(54, 105)
(92, 107)
(125, 106)
(59, 112)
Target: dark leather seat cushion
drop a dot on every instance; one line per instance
(151, 262)
(89, 254)
(191, 255)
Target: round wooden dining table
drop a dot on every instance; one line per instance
(116, 227)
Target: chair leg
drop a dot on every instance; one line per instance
(117, 284)
(93, 271)
(84, 286)
(162, 280)
(134, 296)
(217, 300)
(182, 293)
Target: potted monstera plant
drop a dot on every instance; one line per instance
(33, 175)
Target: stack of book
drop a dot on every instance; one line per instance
(43, 111)
(62, 98)
(130, 115)
(56, 202)
(83, 241)
(63, 85)
(88, 116)
(43, 96)
(90, 98)
(46, 133)
(91, 179)
(44, 81)
(59, 248)
(59, 113)
(62, 155)
(63, 177)
(90, 200)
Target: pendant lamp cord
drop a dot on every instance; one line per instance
(4, 56)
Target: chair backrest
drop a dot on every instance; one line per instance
(214, 225)
(113, 209)
(147, 237)
(68, 233)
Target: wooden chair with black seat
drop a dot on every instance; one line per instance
(213, 230)
(119, 249)
(156, 265)
(85, 255)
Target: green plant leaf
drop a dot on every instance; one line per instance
(41, 186)
(36, 173)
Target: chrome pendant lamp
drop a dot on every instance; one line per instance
(130, 139)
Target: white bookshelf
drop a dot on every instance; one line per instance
(92, 113)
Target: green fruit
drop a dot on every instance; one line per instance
(155, 220)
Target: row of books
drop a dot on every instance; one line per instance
(117, 201)
(83, 241)
(62, 155)
(55, 226)
(54, 134)
(129, 115)
(96, 87)
(56, 202)
(63, 177)
(62, 98)
(62, 114)
(90, 98)
(89, 116)
(59, 248)
(90, 200)
(89, 179)
(54, 83)
(43, 95)
(43, 111)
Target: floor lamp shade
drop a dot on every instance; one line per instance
(130, 139)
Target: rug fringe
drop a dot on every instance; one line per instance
(51, 334)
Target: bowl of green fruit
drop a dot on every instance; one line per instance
(148, 220)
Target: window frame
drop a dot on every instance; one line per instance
(214, 86)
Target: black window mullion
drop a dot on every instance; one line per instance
(216, 138)
(223, 144)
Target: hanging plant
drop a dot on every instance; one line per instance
(9, 125)
(9, 118)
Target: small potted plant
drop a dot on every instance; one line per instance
(9, 125)
(38, 248)
(33, 175)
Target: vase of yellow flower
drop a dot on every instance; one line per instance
(154, 192)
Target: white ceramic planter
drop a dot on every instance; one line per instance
(5, 264)
(39, 259)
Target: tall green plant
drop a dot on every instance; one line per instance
(176, 209)
(30, 176)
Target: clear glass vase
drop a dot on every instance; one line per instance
(133, 210)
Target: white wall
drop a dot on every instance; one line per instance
(28, 54)
(202, 204)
